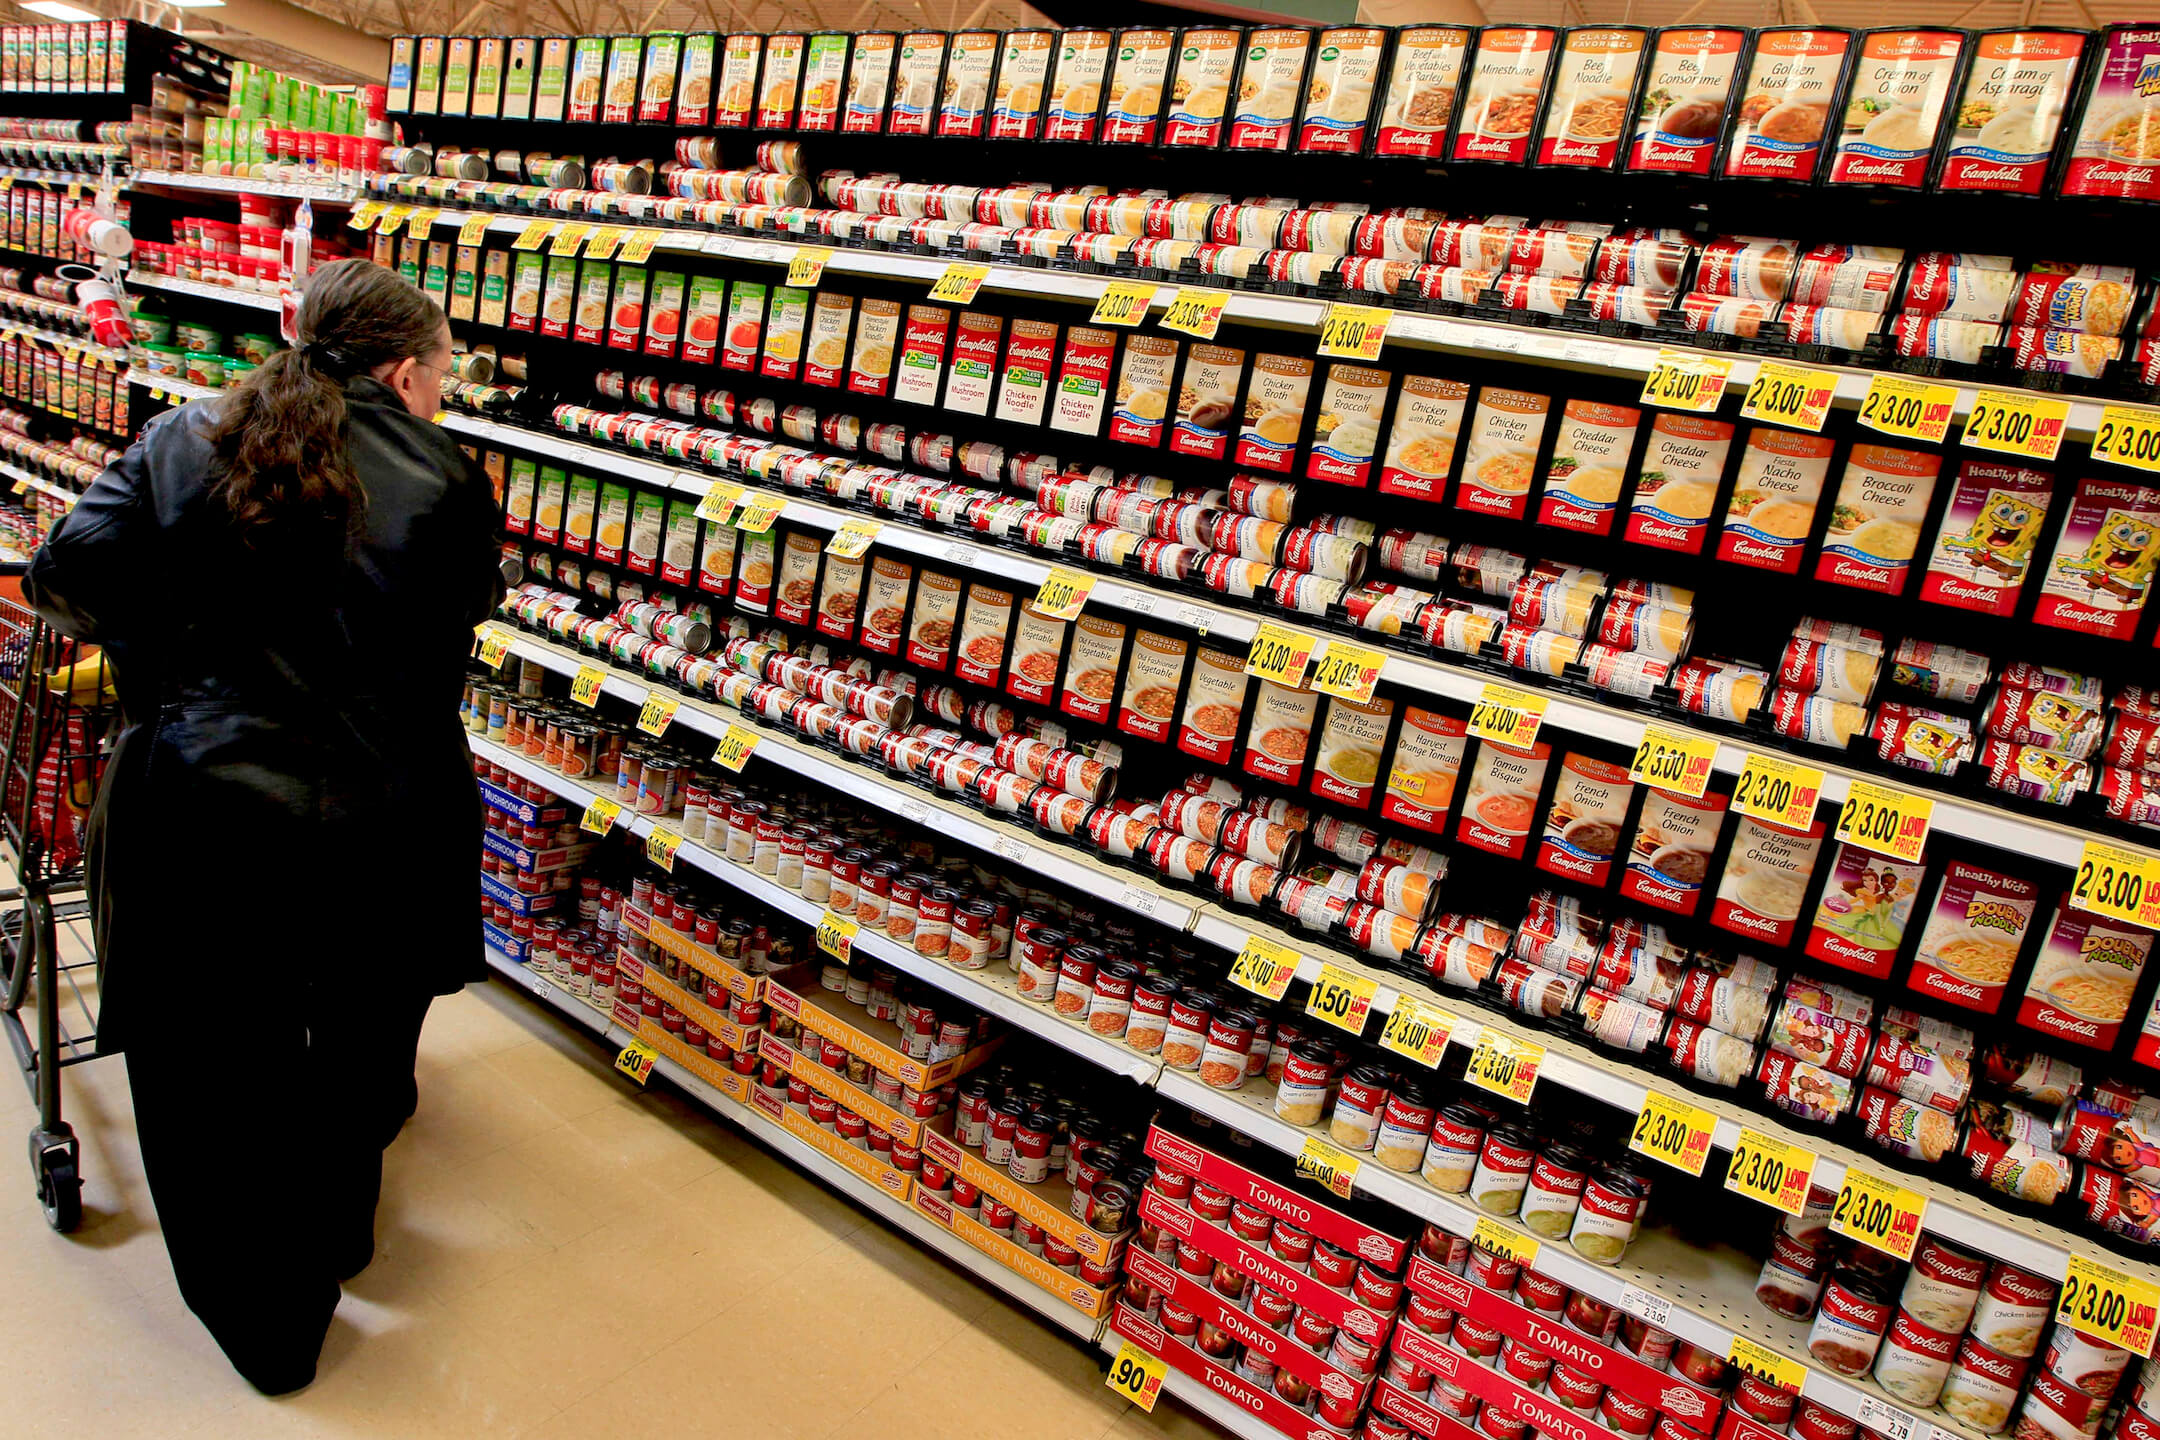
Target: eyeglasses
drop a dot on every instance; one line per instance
(442, 372)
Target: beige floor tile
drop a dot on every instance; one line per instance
(1004, 1380)
(560, 1257)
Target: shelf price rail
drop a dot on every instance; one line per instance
(2039, 1247)
(1627, 357)
(2041, 839)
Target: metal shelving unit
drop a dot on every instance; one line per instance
(2048, 840)
(1617, 356)
(230, 295)
(2032, 1244)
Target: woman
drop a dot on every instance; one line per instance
(286, 580)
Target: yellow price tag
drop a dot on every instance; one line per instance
(836, 936)
(719, 502)
(1771, 1171)
(1341, 999)
(474, 230)
(2111, 1304)
(585, 685)
(1354, 332)
(1264, 967)
(422, 223)
(1790, 395)
(1063, 594)
(1674, 1131)
(2118, 882)
(638, 247)
(21, 486)
(1886, 820)
(494, 647)
(959, 282)
(2027, 426)
(534, 235)
(1137, 1375)
(600, 815)
(1490, 1234)
(1681, 381)
(392, 218)
(1907, 408)
(1124, 302)
(1878, 1212)
(568, 238)
(1766, 1364)
(1330, 1165)
(1507, 716)
(2128, 436)
(655, 714)
(1417, 1031)
(363, 214)
(852, 539)
(735, 748)
(660, 847)
(1279, 654)
(1782, 792)
(1671, 760)
(1505, 1065)
(1351, 671)
(807, 266)
(603, 241)
(759, 512)
(637, 1060)
(1195, 310)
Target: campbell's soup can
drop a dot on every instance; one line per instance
(1982, 1386)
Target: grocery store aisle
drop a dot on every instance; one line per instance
(559, 1257)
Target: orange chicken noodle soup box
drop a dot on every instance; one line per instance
(1672, 850)
(1501, 799)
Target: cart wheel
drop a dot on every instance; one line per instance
(59, 1179)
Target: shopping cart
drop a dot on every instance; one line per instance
(56, 710)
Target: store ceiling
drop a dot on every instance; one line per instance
(261, 30)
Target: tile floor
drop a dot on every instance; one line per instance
(559, 1257)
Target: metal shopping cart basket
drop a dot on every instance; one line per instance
(56, 712)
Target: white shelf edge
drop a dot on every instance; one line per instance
(36, 482)
(144, 280)
(235, 185)
(71, 342)
(1620, 355)
(2047, 840)
(806, 1157)
(1035, 1019)
(179, 389)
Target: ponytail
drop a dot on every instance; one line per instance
(281, 432)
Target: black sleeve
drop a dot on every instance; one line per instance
(91, 570)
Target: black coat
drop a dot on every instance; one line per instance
(292, 796)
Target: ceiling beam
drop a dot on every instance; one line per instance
(306, 33)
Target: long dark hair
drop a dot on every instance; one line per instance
(281, 432)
